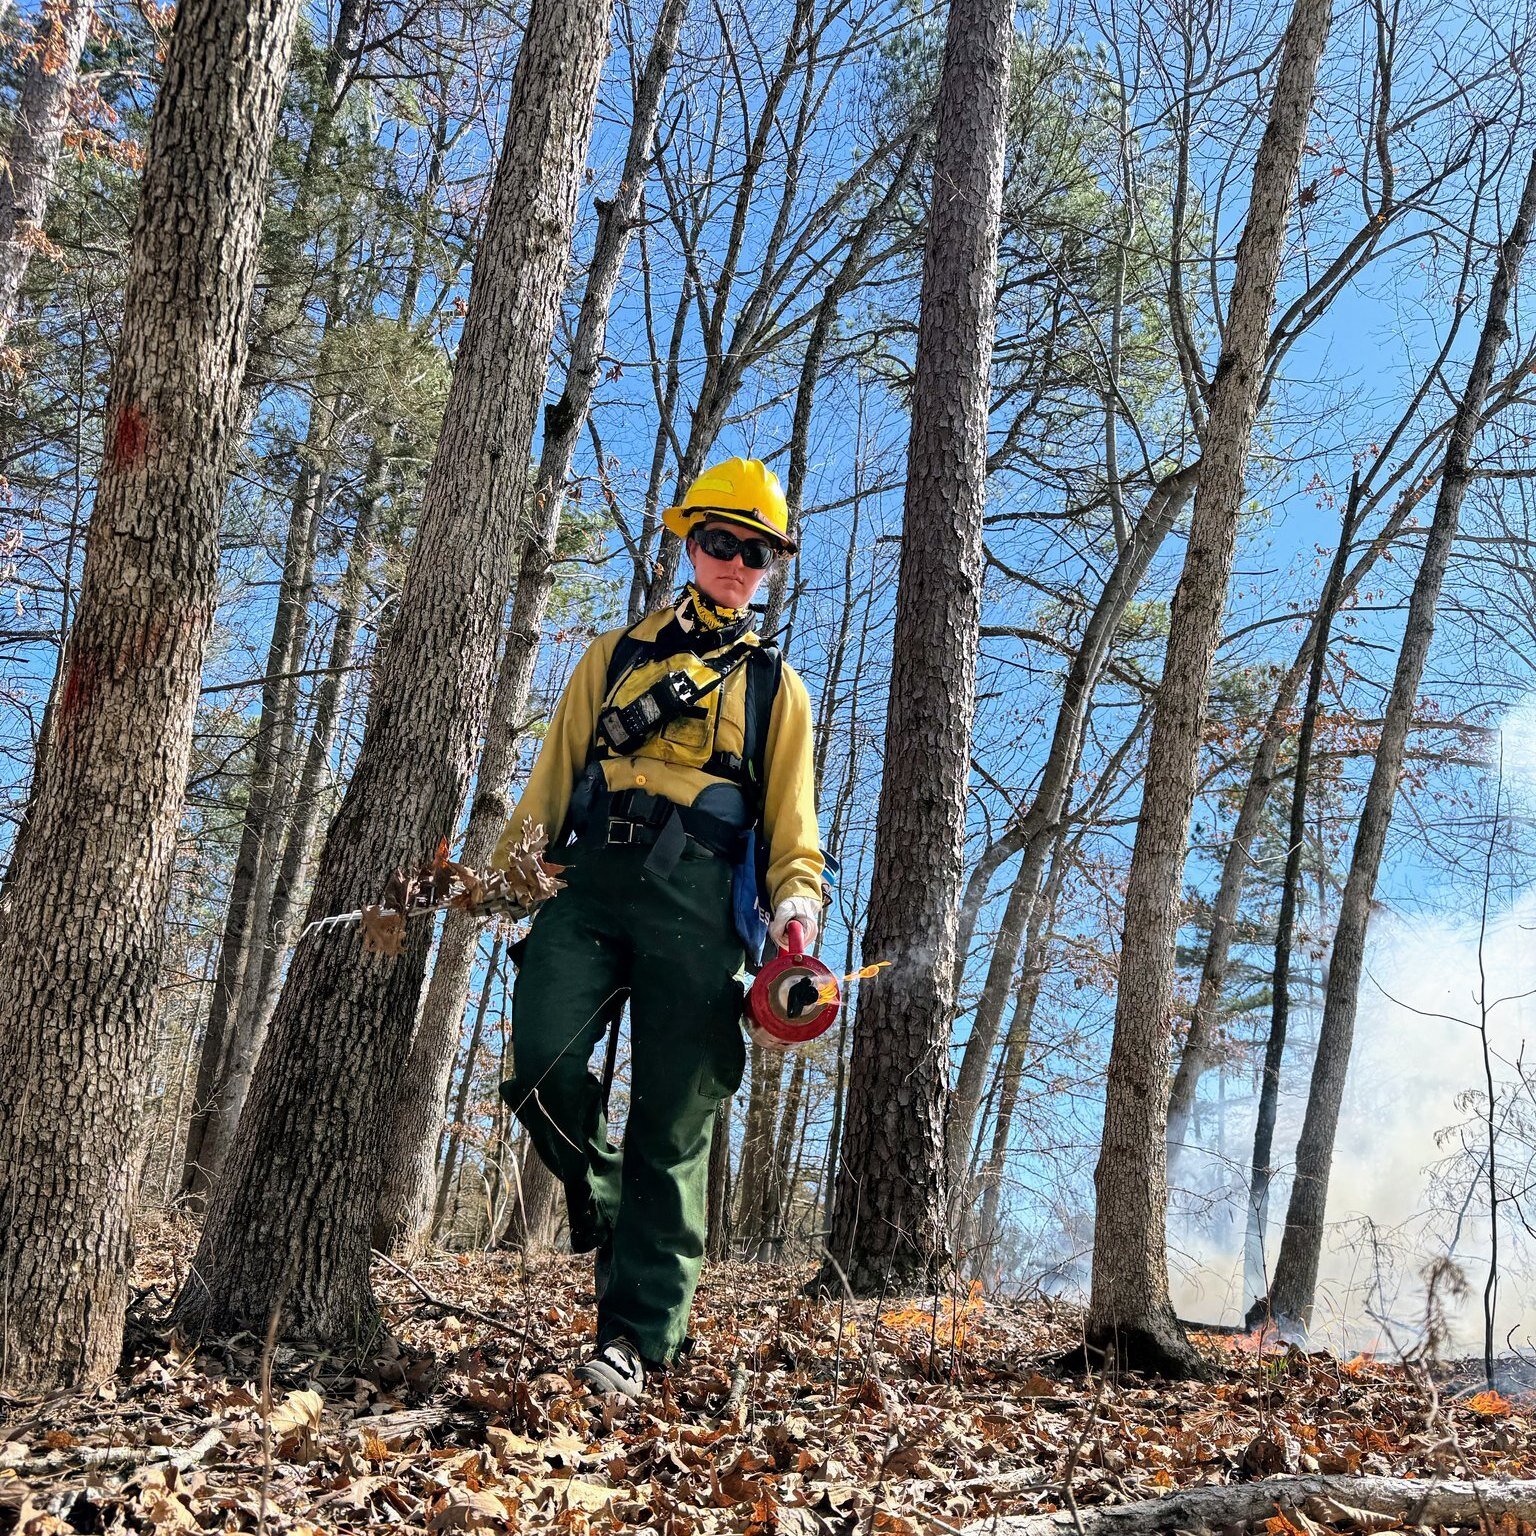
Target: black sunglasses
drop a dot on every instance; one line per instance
(756, 554)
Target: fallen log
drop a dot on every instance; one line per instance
(1439, 1502)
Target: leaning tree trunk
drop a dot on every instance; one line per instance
(1295, 1280)
(1256, 1281)
(37, 136)
(405, 1181)
(1130, 1311)
(890, 1222)
(81, 946)
(291, 1219)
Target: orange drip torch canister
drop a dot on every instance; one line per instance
(794, 999)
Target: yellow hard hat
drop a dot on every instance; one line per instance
(742, 491)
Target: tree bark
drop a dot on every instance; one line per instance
(291, 1220)
(890, 1222)
(1295, 1280)
(1262, 1170)
(80, 950)
(37, 137)
(1129, 1310)
(406, 1178)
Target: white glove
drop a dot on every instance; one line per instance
(796, 909)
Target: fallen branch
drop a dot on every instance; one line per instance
(454, 1307)
(1447, 1501)
(80, 1458)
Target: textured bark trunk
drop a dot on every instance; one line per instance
(889, 1226)
(37, 136)
(406, 1178)
(80, 950)
(1295, 1279)
(767, 1077)
(1129, 1311)
(1256, 1274)
(293, 1215)
(1238, 859)
(778, 1191)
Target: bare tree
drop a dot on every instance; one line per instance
(293, 1214)
(82, 939)
(890, 1222)
(1129, 1311)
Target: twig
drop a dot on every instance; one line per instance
(268, 1348)
(453, 1306)
(1069, 1470)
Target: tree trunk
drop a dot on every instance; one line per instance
(889, 1226)
(293, 1215)
(1129, 1311)
(37, 136)
(1295, 1279)
(779, 1192)
(1256, 1273)
(406, 1179)
(80, 950)
(532, 1220)
(767, 1077)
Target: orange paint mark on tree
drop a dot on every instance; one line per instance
(128, 442)
(79, 686)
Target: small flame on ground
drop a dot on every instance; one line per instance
(1261, 1341)
(954, 1320)
(1491, 1405)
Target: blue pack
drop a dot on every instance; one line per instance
(746, 906)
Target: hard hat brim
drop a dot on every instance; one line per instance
(683, 520)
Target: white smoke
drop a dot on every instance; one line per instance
(1417, 1052)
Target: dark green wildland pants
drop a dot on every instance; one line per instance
(673, 944)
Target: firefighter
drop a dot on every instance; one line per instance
(676, 783)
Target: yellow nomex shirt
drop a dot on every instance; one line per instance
(666, 765)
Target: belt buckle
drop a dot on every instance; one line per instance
(615, 823)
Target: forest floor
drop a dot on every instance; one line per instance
(788, 1418)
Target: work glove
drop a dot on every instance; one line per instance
(795, 909)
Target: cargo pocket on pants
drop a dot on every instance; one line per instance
(725, 1056)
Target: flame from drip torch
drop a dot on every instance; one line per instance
(827, 993)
